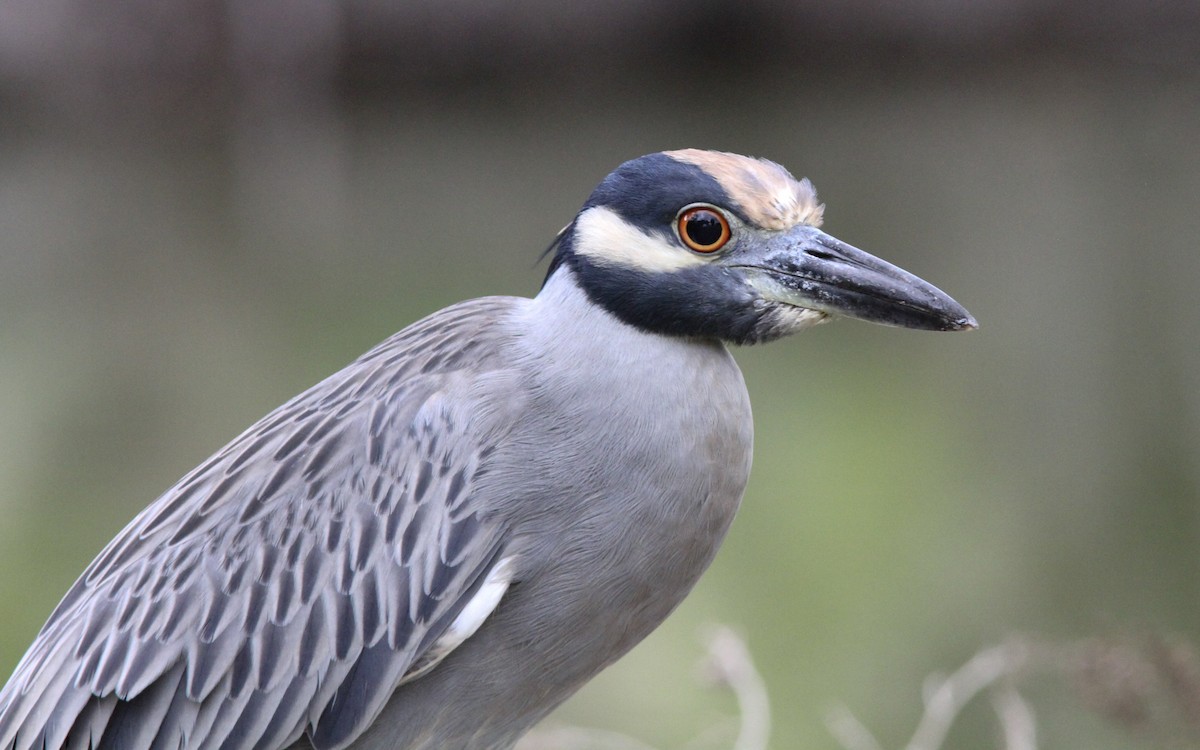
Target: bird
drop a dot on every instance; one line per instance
(438, 544)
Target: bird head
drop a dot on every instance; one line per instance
(716, 245)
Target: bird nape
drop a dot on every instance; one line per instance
(438, 544)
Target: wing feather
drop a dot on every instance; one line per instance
(90, 723)
(288, 718)
(292, 581)
(137, 721)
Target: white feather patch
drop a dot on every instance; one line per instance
(469, 619)
(605, 238)
(480, 606)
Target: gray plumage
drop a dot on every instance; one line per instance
(433, 547)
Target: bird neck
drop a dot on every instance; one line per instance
(616, 366)
(695, 303)
(565, 314)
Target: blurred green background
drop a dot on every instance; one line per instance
(207, 207)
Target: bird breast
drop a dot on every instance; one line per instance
(633, 457)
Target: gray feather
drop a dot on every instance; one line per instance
(299, 572)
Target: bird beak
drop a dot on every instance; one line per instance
(807, 268)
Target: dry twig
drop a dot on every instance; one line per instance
(946, 697)
(730, 665)
(727, 664)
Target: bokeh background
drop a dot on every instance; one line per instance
(206, 207)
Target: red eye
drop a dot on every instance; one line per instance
(703, 229)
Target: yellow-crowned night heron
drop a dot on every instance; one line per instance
(438, 544)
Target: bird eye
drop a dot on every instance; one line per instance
(703, 228)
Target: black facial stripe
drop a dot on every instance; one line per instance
(649, 191)
(704, 301)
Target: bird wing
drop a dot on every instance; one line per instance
(291, 582)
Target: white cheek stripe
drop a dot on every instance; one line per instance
(605, 238)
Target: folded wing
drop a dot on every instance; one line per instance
(289, 584)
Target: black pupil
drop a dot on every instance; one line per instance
(704, 228)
